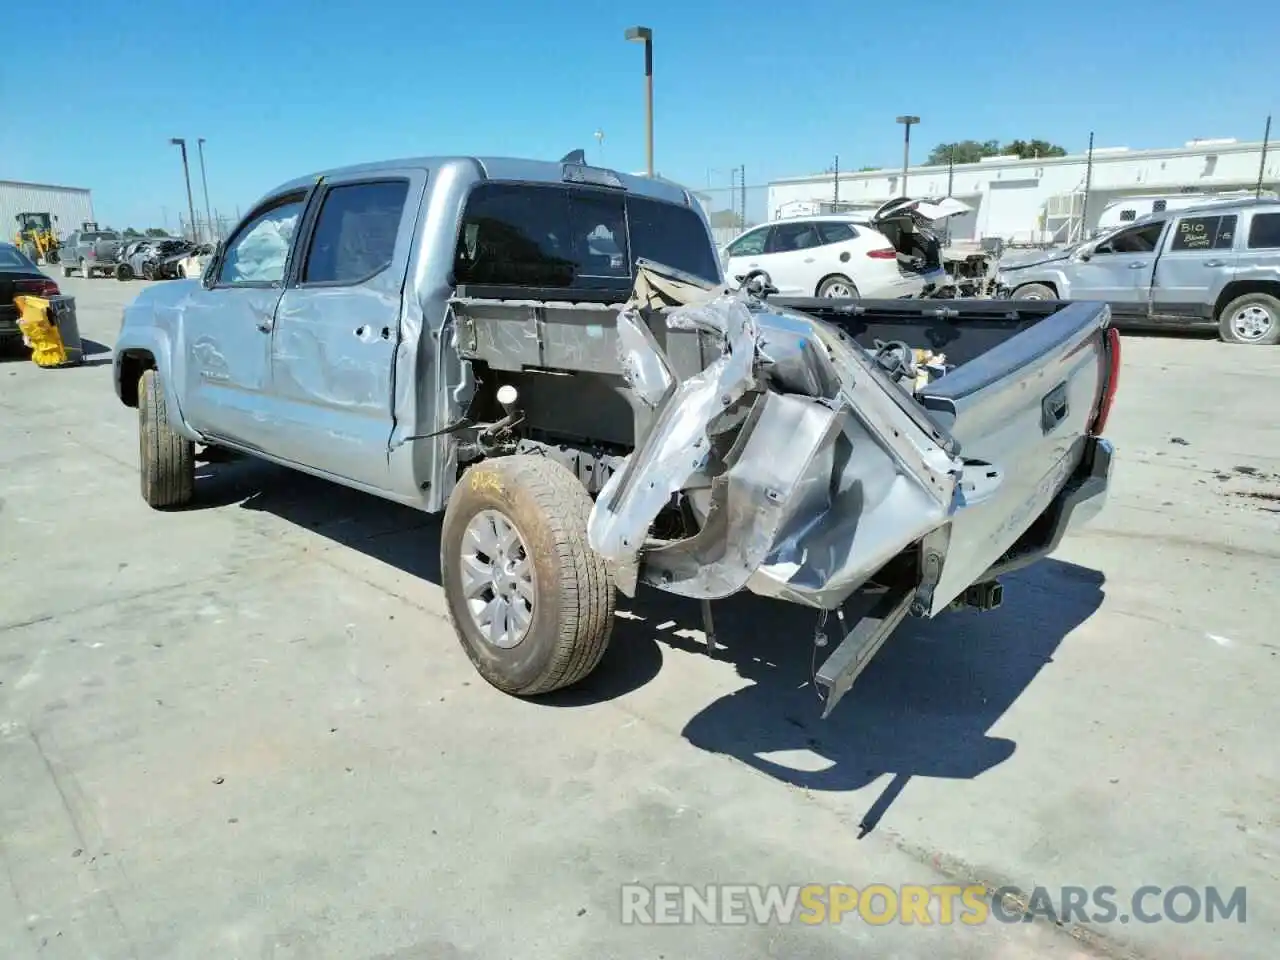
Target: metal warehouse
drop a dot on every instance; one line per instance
(69, 205)
(1045, 200)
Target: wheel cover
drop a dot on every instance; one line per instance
(838, 289)
(498, 582)
(1252, 322)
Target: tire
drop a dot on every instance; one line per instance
(838, 286)
(570, 618)
(52, 258)
(167, 460)
(124, 272)
(148, 271)
(1034, 291)
(66, 271)
(1252, 319)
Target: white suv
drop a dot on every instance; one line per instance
(891, 253)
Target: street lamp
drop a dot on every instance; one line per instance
(646, 35)
(186, 173)
(906, 122)
(208, 215)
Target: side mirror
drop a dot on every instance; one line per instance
(1084, 254)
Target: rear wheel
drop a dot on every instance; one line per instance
(1035, 291)
(1253, 319)
(838, 287)
(531, 602)
(124, 271)
(167, 459)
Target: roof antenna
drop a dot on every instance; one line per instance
(575, 156)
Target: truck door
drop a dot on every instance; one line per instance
(227, 323)
(1197, 262)
(1118, 270)
(338, 323)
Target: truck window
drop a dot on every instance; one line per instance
(549, 236)
(672, 235)
(1264, 232)
(514, 235)
(1204, 233)
(258, 252)
(355, 234)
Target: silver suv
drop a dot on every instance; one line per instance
(1209, 266)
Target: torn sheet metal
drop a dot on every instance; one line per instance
(802, 474)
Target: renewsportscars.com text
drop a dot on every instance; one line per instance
(926, 905)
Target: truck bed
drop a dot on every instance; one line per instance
(803, 470)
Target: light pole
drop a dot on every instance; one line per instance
(208, 215)
(599, 135)
(186, 173)
(646, 35)
(906, 122)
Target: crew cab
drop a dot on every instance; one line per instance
(1214, 266)
(547, 352)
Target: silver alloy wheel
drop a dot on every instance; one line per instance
(497, 579)
(1031, 296)
(838, 291)
(1252, 322)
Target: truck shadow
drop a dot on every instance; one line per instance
(923, 708)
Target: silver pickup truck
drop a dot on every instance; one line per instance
(548, 353)
(1214, 266)
(90, 252)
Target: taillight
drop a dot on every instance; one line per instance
(884, 253)
(38, 288)
(1112, 336)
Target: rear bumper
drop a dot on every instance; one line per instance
(1079, 502)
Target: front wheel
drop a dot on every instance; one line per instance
(124, 271)
(838, 287)
(52, 258)
(531, 602)
(1253, 319)
(166, 458)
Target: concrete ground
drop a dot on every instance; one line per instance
(245, 730)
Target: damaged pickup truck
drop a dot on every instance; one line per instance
(548, 353)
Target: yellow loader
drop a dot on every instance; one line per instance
(36, 237)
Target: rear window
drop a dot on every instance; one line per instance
(11, 258)
(95, 237)
(549, 236)
(1264, 231)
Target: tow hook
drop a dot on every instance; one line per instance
(981, 596)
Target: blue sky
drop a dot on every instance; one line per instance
(280, 88)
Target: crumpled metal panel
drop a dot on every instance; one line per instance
(804, 476)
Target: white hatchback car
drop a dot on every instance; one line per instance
(890, 254)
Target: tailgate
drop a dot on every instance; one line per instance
(1022, 414)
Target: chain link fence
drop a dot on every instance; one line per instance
(733, 209)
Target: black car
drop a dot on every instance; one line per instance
(19, 276)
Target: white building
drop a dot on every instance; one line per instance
(1043, 200)
(71, 205)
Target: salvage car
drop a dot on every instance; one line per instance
(1214, 266)
(893, 252)
(454, 334)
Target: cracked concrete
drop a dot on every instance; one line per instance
(245, 730)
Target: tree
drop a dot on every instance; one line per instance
(971, 151)
(130, 232)
(157, 232)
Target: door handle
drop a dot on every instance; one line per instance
(1136, 266)
(1053, 407)
(1214, 263)
(808, 259)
